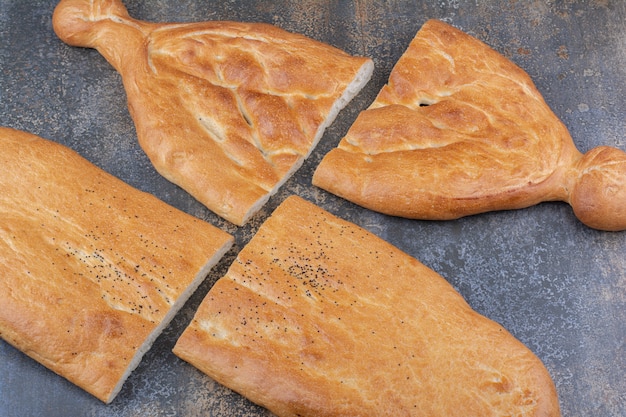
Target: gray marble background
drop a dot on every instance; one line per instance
(557, 285)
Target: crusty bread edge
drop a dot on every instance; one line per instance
(180, 301)
(359, 81)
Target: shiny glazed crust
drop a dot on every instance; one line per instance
(460, 130)
(91, 269)
(226, 110)
(318, 317)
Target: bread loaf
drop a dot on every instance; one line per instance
(318, 317)
(226, 110)
(460, 130)
(91, 269)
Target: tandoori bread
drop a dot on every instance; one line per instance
(91, 269)
(226, 110)
(318, 317)
(460, 130)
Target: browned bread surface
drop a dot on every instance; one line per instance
(460, 130)
(91, 269)
(318, 317)
(226, 110)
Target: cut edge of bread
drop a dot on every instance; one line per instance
(178, 304)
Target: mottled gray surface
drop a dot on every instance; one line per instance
(556, 285)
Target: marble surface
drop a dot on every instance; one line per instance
(556, 285)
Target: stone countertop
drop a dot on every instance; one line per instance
(556, 285)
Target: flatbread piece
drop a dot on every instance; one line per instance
(226, 110)
(460, 130)
(318, 317)
(91, 269)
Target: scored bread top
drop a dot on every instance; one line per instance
(91, 269)
(318, 317)
(226, 110)
(458, 130)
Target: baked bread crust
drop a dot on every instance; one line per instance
(91, 269)
(318, 317)
(226, 110)
(460, 130)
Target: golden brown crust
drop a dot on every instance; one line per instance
(458, 130)
(599, 194)
(317, 317)
(91, 269)
(226, 110)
